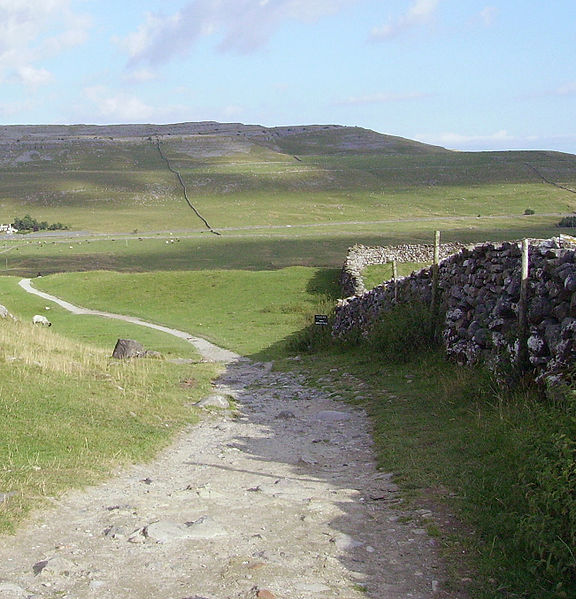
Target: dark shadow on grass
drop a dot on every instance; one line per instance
(325, 249)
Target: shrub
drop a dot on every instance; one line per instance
(567, 221)
(528, 212)
(27, 223)
(403, 331)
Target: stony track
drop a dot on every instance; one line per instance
(277, 495)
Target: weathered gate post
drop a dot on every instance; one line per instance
(435, 307)
(523, 361)
(395, 277)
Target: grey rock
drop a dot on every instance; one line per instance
(115, 532)
(205, 528)
(332, 416)
(12, 591)
(482, 337)
(165, 531)
(346, 542)
(55, 567)
(128, 348)
(215, 400)
(285, 415)
(570, 283)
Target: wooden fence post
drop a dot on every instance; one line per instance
(395, 277)
(523, 309)
(435, 307)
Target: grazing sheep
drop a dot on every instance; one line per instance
(39, 319)
(5, 314)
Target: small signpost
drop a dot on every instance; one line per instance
(321, 320)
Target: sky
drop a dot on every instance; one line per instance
(464, 74)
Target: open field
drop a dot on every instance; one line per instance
(250, 249)
(288, 203)
(252, 313)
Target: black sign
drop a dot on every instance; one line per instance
(321, 319)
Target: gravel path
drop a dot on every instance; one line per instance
(276, 496)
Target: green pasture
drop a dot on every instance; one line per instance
(163, 208)
(253, 313)
(93, 330)
(376, 274)
(251, 249)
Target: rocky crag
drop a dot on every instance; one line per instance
(479, 292)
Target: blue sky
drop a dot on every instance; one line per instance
(465, 74)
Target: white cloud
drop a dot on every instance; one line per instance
(382, 98)
(32, 31)
(241, 26)
(105, 105)
(118, 107)
(141, 75)
(488, 15)
(501, 140)
(420, 13)
(32, 76)
(568, 89)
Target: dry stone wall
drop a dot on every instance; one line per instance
(361, 256)
(479, 292)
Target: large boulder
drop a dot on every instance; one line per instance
(128, 348)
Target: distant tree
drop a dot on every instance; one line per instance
(567, 221)
(27, 223)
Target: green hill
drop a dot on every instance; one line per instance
(340, 180)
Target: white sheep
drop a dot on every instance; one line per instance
(39, 319)
(5, 314)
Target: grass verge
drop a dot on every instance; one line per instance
(497, 466)
(69, 415)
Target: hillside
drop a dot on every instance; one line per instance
(322, 139)
(116, 179)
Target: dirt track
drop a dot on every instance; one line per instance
(277, 497)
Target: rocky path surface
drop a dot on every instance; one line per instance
(276, 496)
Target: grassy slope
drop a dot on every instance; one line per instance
(97, 332)
(250, 312)
(69, 415)
(122, 186)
